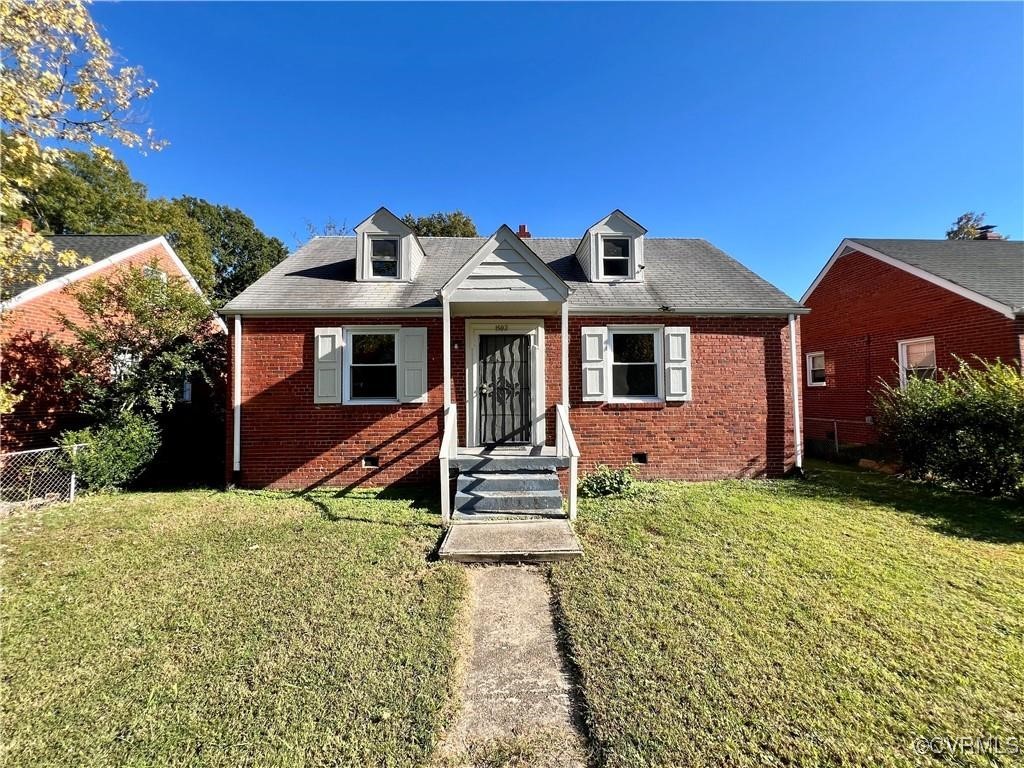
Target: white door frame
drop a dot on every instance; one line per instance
(529, 327)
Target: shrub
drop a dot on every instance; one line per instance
(112, 454)
(605, 481)
(966, 429)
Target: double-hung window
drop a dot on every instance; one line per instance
(371, 365)
(384, 257)
(615, 257)
(917, 359)
(816, 369)
(636, 363)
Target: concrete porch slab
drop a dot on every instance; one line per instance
(535, 541)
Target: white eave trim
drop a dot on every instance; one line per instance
(360, 312)
(81, 273)
(852, 245)
(574, 310)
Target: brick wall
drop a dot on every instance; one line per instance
(860, 312)
(739, 422)
(28, 335)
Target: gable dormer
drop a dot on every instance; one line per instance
(612, 250)
(386, 249)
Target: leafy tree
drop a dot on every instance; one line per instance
(62, 84)
(241, 252)
(139, 339)
(968, 226)
(440, 224)
(85, 193)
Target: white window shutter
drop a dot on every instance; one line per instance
(677, 363)
(412, 366)
(596, 386)
(327, 343)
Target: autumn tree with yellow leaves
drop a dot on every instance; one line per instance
(61, 84)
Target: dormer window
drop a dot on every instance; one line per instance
(612, 250)
(615, 257)
(384, 252)
(386, 249)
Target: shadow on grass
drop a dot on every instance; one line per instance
(416, 498)
(999, 521)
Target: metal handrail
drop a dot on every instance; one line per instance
(565, 444)
(448, 451)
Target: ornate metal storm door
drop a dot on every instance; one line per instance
(504, 398)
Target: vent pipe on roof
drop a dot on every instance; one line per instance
(523, 232)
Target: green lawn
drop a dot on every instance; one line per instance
(798, 623)
(225, 629)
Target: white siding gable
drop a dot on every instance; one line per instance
(505, 270)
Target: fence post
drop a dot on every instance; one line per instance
(74, 451)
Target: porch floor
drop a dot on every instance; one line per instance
(547, 451)
(536, 541)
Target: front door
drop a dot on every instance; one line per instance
(504, 399)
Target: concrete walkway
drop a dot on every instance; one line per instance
(517, 694)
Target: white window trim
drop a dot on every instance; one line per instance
(631, 276)
(346, 364)
(659, 362)
(810, 367)
(902, 347)
(368, 272)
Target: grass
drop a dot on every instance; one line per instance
(226, 629)
(800, 623)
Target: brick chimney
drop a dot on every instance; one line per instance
(988, 232)
(25, 225)
(523, 232)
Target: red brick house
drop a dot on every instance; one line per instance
(383, 358)
(889, 309)
(31, 325)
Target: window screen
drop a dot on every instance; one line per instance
(634, 366)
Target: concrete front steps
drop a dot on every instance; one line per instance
(507, 507)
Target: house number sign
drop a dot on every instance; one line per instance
(501, 327)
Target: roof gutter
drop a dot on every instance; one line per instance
(582, 310)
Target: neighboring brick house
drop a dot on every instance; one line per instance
(888, 309)
(354, 358)
(30, 327)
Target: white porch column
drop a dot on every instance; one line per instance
(446, 315)
(565, 353)
(236, 398)
(798, 447)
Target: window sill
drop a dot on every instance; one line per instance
(634, 405)
(817, 384)
(371, 402)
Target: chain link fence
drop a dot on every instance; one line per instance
(35, 477)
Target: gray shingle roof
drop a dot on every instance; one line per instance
(683, 274)
(993, 268)
(90, 247)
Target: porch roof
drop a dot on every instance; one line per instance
(681, 275)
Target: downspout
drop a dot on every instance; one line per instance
(798, 448)
(236, 398)
(565, 352)
(446, 351)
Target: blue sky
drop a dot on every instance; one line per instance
(772, 130)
